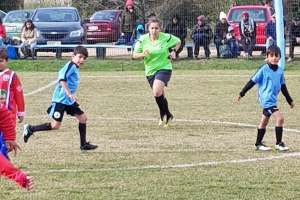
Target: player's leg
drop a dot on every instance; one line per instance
(261, 130)
(74, 110)
(56, 111)
(158, 93)
(279, 130)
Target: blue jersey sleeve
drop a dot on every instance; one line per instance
(282, 79)
(65, 72)
(258, 76)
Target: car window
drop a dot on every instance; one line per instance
(15, 17)
(62, 15)
(103, 16)
(258, 15)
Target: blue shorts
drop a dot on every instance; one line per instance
(269, 111)
(3, 148)
(163, 75)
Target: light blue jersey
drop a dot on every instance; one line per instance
(70, 74)
(269, 85)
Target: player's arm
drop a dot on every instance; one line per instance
(18, 97)
(287, 96)
(246, 88)
(67, 90)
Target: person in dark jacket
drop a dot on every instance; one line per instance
(248, 34)
(220, 32)
(271, 32)
(129, 18)
(177, 28)
(294, 37)
(202, 35)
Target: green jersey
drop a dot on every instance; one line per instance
(158, 57)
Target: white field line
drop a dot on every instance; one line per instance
(41, 88)
(177, 166)
(176, 120)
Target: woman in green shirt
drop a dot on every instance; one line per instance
(156, 48)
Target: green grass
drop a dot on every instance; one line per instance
(122, 120)
(118, 64)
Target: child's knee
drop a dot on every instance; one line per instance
(55, 126)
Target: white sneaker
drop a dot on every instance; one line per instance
(289, 59)
(281, 147)
(160, 122)
(262, 147)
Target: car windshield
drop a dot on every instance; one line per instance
(17, 17)
(57, 15)
(258, 15)
(103, 15)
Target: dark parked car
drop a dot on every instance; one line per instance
(14, 21)
(58, 25)
(2, 14)
(103, 26)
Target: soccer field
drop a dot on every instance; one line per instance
(208, 151)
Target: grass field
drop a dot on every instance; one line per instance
(205, 154)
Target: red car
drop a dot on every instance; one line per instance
(103, 26)
(260, 14)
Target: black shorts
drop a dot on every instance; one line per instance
(163, 75)
(56, 110)
(269, 111)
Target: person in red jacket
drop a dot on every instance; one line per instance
(7, 143)
(2, 33)
(11, 92)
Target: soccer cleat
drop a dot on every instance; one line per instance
(160, 122)
(281, 147)
(28, 183)
(170, 117)
(27, 132)
(262, 147)
(88, 146)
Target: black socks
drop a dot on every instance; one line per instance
(278, 131)
(41, 127)
(82, 133)
(161, 105)
(260, 135)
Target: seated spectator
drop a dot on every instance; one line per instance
(248, 34)
(294, 37)
(2, 34)
(202, 35)
(232, 43)
(139, 31)
(220, 32)
(28, 38)
(177, 28)
(271, 32)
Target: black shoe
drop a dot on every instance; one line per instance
(88, 146)
(27, 132)
(169, 118)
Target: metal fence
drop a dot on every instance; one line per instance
(108, 29)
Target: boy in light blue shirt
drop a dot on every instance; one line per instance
(270, 80)
(64, 100)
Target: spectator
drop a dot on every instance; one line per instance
(271, 32)
(139, 31)
(28, 38)
(2, 34)
(294, 37)
(248, 34)
(230, 49)
(268, 4)
(220, 32)
(128, 21)
(201, 35)
(177, 28)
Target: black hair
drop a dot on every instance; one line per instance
(81, 50)
(28, 21)
(3, 54)
(274, 50)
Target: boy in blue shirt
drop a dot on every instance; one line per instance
(64, 100)
(270, 80)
